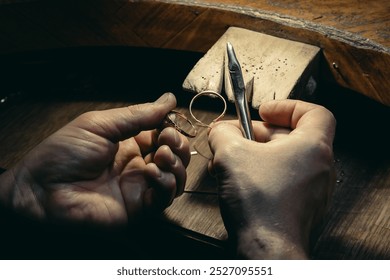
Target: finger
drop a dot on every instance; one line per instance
(163, 189)
(262, 131)
(167, 161)
(177, 142)
(210, 168)
(149, 157)
(147, 141)
(226, 142)
(127, 152)
(122, 123)
(303, 116)
(133, 187)
(265, 132)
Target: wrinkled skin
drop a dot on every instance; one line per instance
(275, 189)
(104, 168)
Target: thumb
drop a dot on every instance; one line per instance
(121, 123)
(224, 134)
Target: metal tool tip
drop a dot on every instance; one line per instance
(230, 49)
(233, 63)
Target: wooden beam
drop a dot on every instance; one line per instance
(353, 35)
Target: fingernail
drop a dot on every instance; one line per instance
(176, 139)
(164, 98)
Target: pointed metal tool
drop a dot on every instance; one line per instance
(240, 99)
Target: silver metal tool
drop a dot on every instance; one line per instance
(240, 99)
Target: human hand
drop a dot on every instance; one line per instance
(274, 190)
(104, 168)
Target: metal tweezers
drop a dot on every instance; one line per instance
(240, 99)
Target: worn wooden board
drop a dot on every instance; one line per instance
(353, 35)
(272, 68)
(357, 226)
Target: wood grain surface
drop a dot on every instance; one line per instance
(353, 34)
(56, 87)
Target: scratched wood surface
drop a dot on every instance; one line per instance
(45, 91)
(353, 34)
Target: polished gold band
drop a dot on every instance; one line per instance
(172, 122)
(209, 93)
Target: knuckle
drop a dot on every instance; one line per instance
(320, 148)
(226, 153)
(87, 116)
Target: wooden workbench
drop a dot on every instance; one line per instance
(54, 67)
(47, 90)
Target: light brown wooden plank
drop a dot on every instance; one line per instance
(365, 19)
(353, 35)
(199, 213)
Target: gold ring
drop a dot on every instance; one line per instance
(209, 93)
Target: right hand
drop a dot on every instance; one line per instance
(274, 190)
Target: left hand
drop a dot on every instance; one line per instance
(104, 168)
